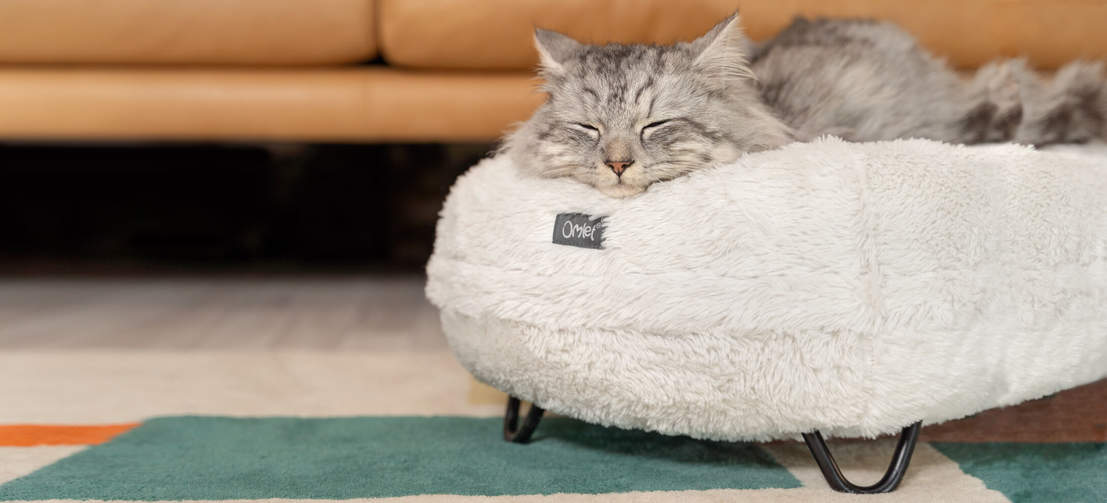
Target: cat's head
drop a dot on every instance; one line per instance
(622, 117)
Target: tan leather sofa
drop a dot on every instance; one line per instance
(400, 70)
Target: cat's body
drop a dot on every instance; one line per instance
(865, 80)
(621, 117)
(862, 81)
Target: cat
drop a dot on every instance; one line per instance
(622, 117)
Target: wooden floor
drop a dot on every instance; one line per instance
(1074, 415)
(366, 313)
(218, 313)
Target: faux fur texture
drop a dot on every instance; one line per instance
(851, 288)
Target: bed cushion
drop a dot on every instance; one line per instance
(849, 288)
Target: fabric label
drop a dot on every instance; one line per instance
(578, 229)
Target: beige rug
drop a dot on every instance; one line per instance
(91, 368)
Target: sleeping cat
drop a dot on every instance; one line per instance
(622, 117)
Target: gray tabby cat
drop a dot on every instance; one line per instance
(622, 117)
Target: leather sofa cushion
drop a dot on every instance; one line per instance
(187, 31)
(496, 34)
(357, 104)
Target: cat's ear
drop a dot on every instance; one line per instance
(721, 52)
(554, 49)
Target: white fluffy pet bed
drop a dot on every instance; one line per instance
(847, 288)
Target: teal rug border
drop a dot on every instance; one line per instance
(211, 457)
(1032, 473)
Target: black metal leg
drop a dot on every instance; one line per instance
(888, 483)
(512, 431)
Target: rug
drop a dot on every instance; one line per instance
(412, 427)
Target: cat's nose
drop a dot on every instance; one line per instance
(619, 166)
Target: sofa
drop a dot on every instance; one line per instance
(358, 71)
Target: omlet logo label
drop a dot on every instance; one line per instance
(578, 229)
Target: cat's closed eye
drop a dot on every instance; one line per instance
(588, 129)
(653, 126)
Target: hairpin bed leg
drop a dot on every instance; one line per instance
(892, 477)
(512, 431)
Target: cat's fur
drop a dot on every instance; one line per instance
(622, 117)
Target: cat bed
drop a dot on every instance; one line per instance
(848, 288)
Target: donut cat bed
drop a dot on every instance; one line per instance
(851, 289)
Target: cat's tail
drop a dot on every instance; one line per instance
(1069, 107)
(1011, 102)
(996, 101)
